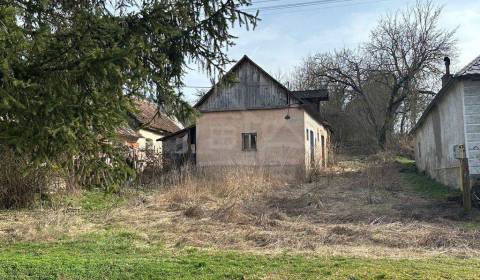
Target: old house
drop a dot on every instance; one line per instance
(146, 125)
(251, 119)
(452, 118)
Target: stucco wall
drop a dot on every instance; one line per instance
(441, 130)
(320, 153)
(279, 141)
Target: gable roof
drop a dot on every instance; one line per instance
(470, 70)
(473, 68)
(149, 116)
(245, 59)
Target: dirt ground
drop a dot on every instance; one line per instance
(355, 208)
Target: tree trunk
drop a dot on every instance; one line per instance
(385, 131)
(402, 123)
(388, 124)
(382, 137)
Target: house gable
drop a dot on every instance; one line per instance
(248, 86)
(469, 72)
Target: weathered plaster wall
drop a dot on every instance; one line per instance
(442, 129)
(472, 124)
(279, 141)
(320, 153)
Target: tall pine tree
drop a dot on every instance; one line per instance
(70, 69)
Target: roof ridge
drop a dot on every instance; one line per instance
(469, 68)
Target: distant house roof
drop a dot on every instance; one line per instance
(304, 104)
(469, 71)
(149, 116)
(321, 94)
(127, 132)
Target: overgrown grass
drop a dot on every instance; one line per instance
(429, 188)
(123, 255)
(423, 185)
(150, 239)
(407, 165)
(405, 161)
(91, 200)
(98, 200)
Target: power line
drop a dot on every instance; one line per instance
(296, 5)
(263, 1)
(291, 11)
(247, 85)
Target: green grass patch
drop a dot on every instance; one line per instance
(429, 188)
(404, 160)
(92, 200)
(422, 185)
(406, 164)
(123, 255)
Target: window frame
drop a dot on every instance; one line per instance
(247, 146)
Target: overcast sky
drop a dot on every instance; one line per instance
(284, 37)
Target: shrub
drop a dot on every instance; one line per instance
(19, 185)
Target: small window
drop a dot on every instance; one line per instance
(419, 151)
(249, 141)
(306, 130)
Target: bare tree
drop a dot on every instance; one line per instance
(345, 110)
(404, 50)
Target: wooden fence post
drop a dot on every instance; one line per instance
(465, 184)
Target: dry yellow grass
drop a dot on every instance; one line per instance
(47, 225)
(359, 208)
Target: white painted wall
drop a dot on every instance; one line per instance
(472, 124)
(318, 131)
(435, 157)
(148, 134)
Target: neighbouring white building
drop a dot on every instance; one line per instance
(452, 118)
(145, 127)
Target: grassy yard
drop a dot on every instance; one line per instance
(363, 219)
(124, 255)
(423, 185)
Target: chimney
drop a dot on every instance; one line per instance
(447, 77)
